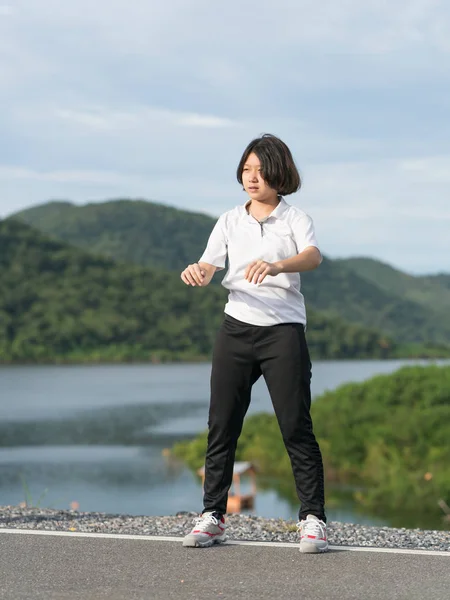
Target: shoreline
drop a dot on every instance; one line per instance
(195, 361)
(239, 527)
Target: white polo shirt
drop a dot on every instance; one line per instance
(287, 231)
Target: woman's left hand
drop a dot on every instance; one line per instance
(257, 270)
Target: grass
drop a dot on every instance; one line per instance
(28, 497)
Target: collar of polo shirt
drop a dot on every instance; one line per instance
(276, 213)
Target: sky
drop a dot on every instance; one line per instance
(157, 100)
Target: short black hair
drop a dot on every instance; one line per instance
(277, 165)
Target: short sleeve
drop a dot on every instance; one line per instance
(216, 248)
(304, 233)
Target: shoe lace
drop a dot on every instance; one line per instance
(205, 520)
(312, 527)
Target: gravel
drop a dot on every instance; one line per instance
(239, 527)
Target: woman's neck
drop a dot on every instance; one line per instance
(262, 209)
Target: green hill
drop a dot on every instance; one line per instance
(361, 291)
(134, 231)
(338, 290)
(442, 278)
(431, 292)
(60, 303)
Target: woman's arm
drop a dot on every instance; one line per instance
(202, 272)
(209, 271)
(308, 260)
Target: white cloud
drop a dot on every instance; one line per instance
(378, 209)
(382, 188)
(6, 10)
(96, 119)
(158, 100)
(246, 44)
(75, 176)
(103, 118)
(195, 120)
(432, 169)
(376, 26)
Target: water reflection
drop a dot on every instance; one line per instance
(116, 425)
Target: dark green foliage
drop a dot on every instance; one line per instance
(412, 310)
(388, 433)
(59, 303)
(329, 337)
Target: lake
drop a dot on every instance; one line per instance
(96, 435)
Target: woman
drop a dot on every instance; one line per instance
(268, 243)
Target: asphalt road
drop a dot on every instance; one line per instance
(35, 567)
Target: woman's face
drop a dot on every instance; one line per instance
(253, 182)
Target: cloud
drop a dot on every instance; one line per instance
(195, 120)
(375, 26)
(127, 98)
(103, 118)
(380, 209)
(326, 44)
(6, 10)
(84, 177)
(432, 169)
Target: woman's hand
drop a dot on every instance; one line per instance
(194, 275)
(199, 274)
(257, 270)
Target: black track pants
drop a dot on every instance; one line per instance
(241, 354)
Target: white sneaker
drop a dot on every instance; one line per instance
(209, 529)
(313, 535)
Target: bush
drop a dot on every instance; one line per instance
(390, 434)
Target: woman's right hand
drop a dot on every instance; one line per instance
(194, 275)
